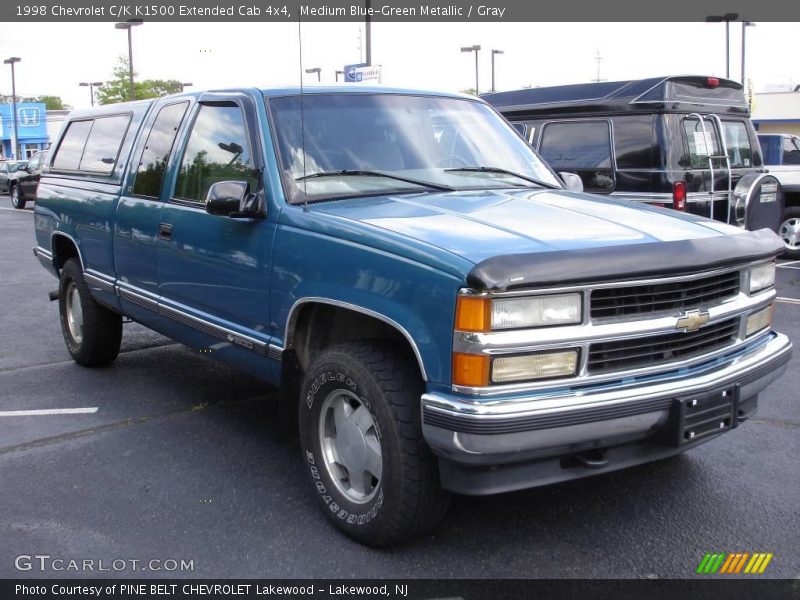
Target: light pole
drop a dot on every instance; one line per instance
(745, 25)
(493, 53)
(474, 48)
(316, 70)
(91, 85)
(15, 145)
(129, 25)
(337, 75)
(184, 85)
(727, 17)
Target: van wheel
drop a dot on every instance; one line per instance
(789, 232)
(92, 332)
(361, 437)
(16, 200)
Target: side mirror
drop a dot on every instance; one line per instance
(226, 198)
(572, 182)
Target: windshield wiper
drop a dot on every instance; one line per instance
(353, 172)
(504, 172)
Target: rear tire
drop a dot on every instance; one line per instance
(92, 332)
(361, 437)
(789, 232)
(17, 201)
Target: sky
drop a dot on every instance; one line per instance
(56, 57)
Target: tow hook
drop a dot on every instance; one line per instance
(592, 459)
(53, 295)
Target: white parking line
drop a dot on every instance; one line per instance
(48, 411)
(788, 300)
(17, 210)
(788, 267)
(786, 264)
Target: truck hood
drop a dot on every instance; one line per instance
(481, 224)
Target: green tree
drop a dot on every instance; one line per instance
(118, 89)
(50, 102)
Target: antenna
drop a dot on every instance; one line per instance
(302, 118)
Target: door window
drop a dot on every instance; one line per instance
(700, 147)
(217, 150)
(157, 149)
(738, 143)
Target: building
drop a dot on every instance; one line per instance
(777, 111)
(31, 127)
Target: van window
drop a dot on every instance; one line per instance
(791, 151)
(217, 150)
(70, 150)
(92, 145)
(635, 142)
(584, 145)
(156, 150)
(700, 148)
(738, 143)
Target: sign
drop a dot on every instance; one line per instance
(362, 72)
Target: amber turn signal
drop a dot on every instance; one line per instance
(471, 370)
(473, 314)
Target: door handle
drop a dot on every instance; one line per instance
(164, 231)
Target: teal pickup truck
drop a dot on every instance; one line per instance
(443, 311)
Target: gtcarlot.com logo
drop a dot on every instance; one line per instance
(46, 562)
(734, 563)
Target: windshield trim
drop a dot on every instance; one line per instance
(286, 179)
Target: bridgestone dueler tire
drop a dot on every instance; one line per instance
(102, 328)
(408, 500)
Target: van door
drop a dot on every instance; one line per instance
(213, 270)
(139, 212)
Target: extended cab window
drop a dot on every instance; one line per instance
(157, 148)
(92, 146)
(217, 150)
(584, 145)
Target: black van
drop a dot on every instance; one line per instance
(670, 141)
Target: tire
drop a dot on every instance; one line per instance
(17, 201)
(372, 392)
(92, 332)
(789, 232)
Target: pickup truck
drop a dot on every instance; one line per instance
(782, 157)
(442, 314)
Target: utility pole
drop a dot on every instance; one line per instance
(597, 59)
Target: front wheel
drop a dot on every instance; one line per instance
(17, 201)
(92, 332)
(360, 432)
(789, 232)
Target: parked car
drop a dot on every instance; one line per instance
(781, 153)
(668, 141)
(441, 313)
(8, 170)
(22, 187)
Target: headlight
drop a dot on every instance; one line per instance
(762, 277)
(543, 365)
(535, 311)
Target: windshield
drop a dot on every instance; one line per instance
(426, 143)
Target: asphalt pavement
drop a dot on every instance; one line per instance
(182, 461)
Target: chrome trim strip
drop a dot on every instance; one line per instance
(40, 252)
(773, 348)
(136, 298)
(288, 338)
(99, 280)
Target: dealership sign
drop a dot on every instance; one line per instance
(362, 72)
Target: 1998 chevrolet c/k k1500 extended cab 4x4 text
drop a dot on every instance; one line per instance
(444, 314)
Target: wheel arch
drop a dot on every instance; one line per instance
(64, 247)
(305, 312)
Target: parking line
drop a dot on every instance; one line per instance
(788, 300)
(17, 210)
(791, 262)
(48, 411)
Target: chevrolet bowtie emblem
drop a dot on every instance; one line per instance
(692, 321)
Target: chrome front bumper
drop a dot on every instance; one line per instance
(471, 435)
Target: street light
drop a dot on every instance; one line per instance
(15, 145)
(316, 70)
(91, 85)
(337, 75)
(745, 25)
(129, 25)
(474, 48)
(727, 17)
(186, 84)
(493, 53)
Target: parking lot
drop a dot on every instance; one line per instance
(171, 456)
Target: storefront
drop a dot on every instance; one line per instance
(31, 128)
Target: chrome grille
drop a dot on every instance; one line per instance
(657, 297)
(659, 349)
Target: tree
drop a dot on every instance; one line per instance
(50, 102)
(118, 89)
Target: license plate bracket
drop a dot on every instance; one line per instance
(699, 416)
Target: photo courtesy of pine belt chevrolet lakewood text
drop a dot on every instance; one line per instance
(443, 311)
